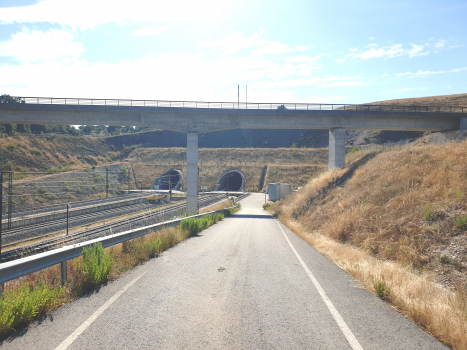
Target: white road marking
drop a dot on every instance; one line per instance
(72, 337)
(335, 314)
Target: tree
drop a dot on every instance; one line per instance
(10, 99)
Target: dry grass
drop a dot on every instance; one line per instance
(217, 206)
(437, 310)
(396, 215)
(441, 100)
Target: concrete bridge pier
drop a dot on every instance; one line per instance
(192, 172)
(463, 123)
(336, 148)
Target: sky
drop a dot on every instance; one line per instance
(276, 51)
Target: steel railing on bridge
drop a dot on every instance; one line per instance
(237, 105)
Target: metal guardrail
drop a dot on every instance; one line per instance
(237, 105)
(20, 267)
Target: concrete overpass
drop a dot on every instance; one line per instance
(201, 117)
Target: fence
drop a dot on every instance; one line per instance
(236, 105)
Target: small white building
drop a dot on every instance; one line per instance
(278, 191)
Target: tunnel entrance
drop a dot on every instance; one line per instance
(232, 180)
(169, 180)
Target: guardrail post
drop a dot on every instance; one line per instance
(106, 182)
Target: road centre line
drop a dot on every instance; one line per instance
(72, 337)
(335, 314)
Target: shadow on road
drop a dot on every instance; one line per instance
(247, 216)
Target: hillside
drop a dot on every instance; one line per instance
(53, 170)
(406, 206)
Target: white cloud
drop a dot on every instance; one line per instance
(385, 75)
(302, 59)
(149, 31)
(86, 14)
(371, 38)
(302, 48)
(340, 60)
(421, 73)
(458, 70)
(235, 42)
(390, 52)
(41, 46)
(397, 50)
(440, 44)
(417, 50)
(168, 76)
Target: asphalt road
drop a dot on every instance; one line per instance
(244, 283)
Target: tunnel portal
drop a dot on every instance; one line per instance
(232, 180)
(169, 180)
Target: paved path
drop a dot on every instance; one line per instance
(244, 283)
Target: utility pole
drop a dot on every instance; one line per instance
(170, 188)
(10, 198)
(106, 182)
(238, 91)
(67, 209)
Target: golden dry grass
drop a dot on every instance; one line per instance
(441, 100)
(437, 310)
(395, 216)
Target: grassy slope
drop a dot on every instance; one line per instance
(401, 206)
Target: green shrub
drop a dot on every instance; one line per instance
(153, 247)
(428, 215)
(36, 152)
(444, 259)
(19, 307)
(355, 149)
(381, 288)
(461, 222)
(196, 225)
(96, 265)
(266, 206)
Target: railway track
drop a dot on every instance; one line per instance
(74, 205)
(146, 218)
(35, 230)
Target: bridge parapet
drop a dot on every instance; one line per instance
(240, 105)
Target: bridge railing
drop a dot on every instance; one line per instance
(239, 105)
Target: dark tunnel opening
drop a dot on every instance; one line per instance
(231, 181)
(169, 180)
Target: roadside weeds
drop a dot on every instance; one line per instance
(31, 297)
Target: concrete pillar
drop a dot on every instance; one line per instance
(192, 172)
(463, 124)
(336, 148)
